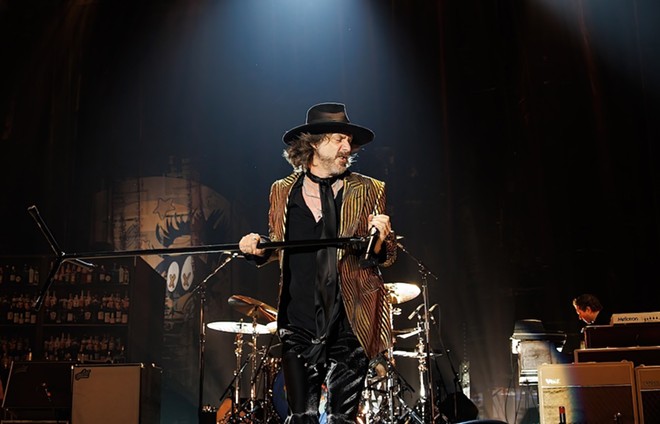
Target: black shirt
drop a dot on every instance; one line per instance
(300, 265)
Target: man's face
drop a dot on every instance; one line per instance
(332, 155)
(586, 315)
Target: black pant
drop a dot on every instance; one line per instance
(344, 373)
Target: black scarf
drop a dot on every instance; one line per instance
(326, 276)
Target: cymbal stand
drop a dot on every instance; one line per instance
(253, 368)
(265, 368)
(422, 366)
(427, 381)
(390, 366)
(399, 384)
(201, 290)
(237, 373)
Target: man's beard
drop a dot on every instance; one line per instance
(331, 165)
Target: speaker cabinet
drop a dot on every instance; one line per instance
(38, 390)
(648, 394)
(591, 392)
(126, 394)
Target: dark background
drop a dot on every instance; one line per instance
(518, 139)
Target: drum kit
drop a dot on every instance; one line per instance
(382, 398)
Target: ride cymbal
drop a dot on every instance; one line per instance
(253, 308)
(402, 292)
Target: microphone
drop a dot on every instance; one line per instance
(373, 234)
(413, 313)
(431, 317)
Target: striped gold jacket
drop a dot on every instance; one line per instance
(365, 297)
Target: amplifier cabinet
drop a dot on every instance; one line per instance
(38, 391)
(641, 355)
(648, 394)
(590, 392)
(33, 422)
(622, 335)
(111, 394)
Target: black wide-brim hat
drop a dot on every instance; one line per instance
(330, 118)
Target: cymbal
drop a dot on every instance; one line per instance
(253, 308)
(404, 330)
(407, 332)
(402, 292)
(412, 354)
(272, 327)
(238, 327)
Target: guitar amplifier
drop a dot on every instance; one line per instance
(648, 394)
(116, 393)
(590, 392)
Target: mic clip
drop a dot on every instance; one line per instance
(416, 311)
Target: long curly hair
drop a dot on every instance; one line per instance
(300, 151)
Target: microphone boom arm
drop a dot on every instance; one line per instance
(78, 258)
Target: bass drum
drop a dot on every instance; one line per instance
(280, 404)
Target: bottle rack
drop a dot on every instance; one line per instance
(87, 315)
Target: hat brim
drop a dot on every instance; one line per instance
(361, 135)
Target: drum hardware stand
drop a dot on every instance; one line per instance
(201, 290)
(252, 402)
(231, 387)
(267, 408)
(426, 384)
(401, 385)
(410, 412)
(396, 384)
(423, 364)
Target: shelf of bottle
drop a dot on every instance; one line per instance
(83, 325)
(97, 285)
(25, 325)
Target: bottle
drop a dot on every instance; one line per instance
(100, 311)
(52, 312)
(118, 309)
(87, 311)
(30, 274)
(69, 309)
(125, 305)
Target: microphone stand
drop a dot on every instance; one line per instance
(78, 258)
(201, 290)
(430, 400)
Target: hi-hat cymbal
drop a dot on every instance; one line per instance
(406, 332)
(402, 292)
(253, 308)
(239, 327)
(413, 354)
